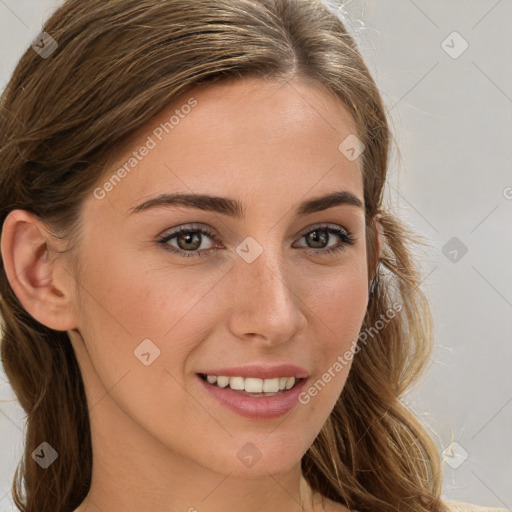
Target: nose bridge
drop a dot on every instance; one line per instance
(267, 304)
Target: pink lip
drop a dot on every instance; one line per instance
(262, 408)
(261, 371)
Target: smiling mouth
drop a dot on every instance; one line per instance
(250, 386)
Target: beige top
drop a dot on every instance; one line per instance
(458, 506)
(331, 506)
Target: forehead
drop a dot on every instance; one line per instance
(241, 136)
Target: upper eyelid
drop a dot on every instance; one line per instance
(323, 225)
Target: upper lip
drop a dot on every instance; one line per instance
(260, 371)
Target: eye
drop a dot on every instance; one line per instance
(188, 240)
(320, 235)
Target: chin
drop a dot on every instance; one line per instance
(273, 452)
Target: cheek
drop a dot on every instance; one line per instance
(338, 306)
(139, 331)
(132, 299)
(122, 305)
(338, 300)
(128, 301)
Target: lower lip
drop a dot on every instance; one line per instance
(265, 407)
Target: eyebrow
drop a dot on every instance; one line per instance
(234, 208)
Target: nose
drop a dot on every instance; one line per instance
(265, 303)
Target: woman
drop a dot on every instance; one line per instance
(206, 305)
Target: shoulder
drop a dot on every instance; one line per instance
(328, 505)
(453, 506)
(459, 506)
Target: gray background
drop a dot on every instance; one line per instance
(451, 180)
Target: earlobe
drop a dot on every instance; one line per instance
(30, 261)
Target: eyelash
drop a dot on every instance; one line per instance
(346, 240)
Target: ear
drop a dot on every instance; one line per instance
(36, 271)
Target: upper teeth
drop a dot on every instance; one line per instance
(251, 384)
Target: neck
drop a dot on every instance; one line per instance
(133, 471)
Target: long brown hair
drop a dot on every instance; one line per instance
(116, 65)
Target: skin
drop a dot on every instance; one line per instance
(160, 442)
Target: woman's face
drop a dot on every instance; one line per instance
(257, 287)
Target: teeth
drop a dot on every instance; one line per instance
(222, 381)
(290, 382)
(236, 383)
(270, 385)
(252, 384)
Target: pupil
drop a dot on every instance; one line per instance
(314, 236)
(186, 237)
